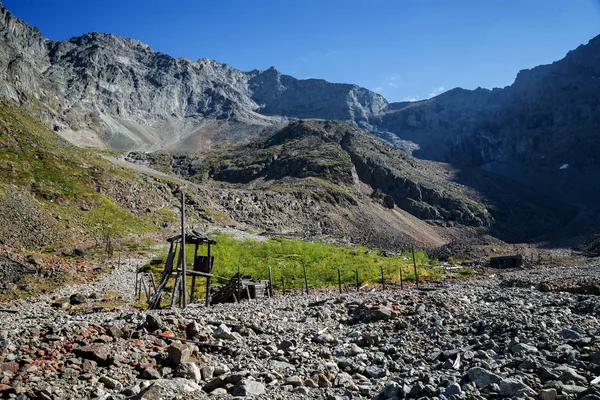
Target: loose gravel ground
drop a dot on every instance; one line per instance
(518, 334)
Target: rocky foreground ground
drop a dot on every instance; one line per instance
(509, 335)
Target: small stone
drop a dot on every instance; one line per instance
(311, 383)
(153, 323)
(189, 370)
(95, 352)
(523, 348)
(380, 313)
(79, 253)
(302, 391)
(35, 260)
(453, 389)
(375, 372)
(513, 387)
(570, 334)
(77, 299)
(175, 388)
(221, 369)
(322, 381)
(393, 389)
(548, 394)
(61, 303)
(192, 330)
(285, 345)
(131, 390)
(115, 331)
(293, 381)
(111, 383)
(343, 379)
(180, 352)
(207, 372)
(214, 384)
(247, 388)
(569, 374)
(150, 373)
(223, 332)
(219, 392)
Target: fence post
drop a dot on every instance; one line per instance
(340, 280)
(183, 295)
(401, 280)
(357, 284)
(415, 265)
(305, 278)
(270, 282)
(382, 278)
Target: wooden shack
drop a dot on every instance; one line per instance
(508, 261)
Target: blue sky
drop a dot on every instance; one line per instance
(403, 49)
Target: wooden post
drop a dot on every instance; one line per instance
(401, 281)
(270, 282)
(239, 283)
(193, 293)
(412, 248)
(210, 270)
(357, 284)
(136, 285)
(183, 295)
(305, 278)
(382, 279)
(282, 284)
(176, 287)
(340, 280)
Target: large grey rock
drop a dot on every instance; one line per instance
(482, 377)
(248, 388)
(514, 387)
(172, 388)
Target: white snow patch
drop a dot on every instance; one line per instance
(564, 166)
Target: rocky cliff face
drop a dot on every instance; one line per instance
(541, 131)
(130, 97)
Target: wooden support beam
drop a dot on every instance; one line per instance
(208, 280)
(183, 295)
(193, 293)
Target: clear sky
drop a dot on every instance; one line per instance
(403, 49)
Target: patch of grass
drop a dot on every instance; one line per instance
(465, 271)
(113, 220)
(287, 257)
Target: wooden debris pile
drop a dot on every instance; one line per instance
(238, 289)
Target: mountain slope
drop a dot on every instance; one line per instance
(548, 119)
(345, 166)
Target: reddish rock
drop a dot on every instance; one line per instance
(10, 366)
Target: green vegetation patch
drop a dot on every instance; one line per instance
(287, 259)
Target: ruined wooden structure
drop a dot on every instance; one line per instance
(202, 268)
(511, 261)
(239, 288)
